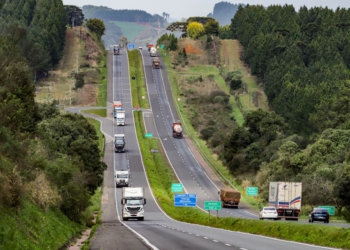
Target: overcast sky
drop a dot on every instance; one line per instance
(186, 8)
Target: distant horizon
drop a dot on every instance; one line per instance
(176, 9)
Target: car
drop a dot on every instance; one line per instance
(140, 47)
(268, 213)
(319, 214)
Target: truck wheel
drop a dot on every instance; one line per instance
(124, 219)
(140, 218)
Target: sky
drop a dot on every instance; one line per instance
(178, 9)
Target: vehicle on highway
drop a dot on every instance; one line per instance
(155, 63)
(120, 118)
(286, 198)
(119, 143)
(177, 130)
(268, 213)
(122, 178)
(319, 214)
(133, 201)
(116, 49)
(230, 197)
(140, 47)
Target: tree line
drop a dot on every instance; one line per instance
(302, 60)
(49, 158)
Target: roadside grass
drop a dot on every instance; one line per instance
(138, 84)
(102, 81)
(130, 30)
(101, 138)
(99, 112)
(34, 228)
(160, 176)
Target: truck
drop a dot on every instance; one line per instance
(119, 143)
(286, 197)
(153, 52)
(120, 118)
(177, 130)
(229, 197)
(117, 106)
(133, 202)
(149, 46)
(155, 62)
(122, 177)
(116, 49)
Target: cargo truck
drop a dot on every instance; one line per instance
(122, 178)
(120, 119)
(153, 52)
(286, 197)
(155, 62)
(177, 130)
(149, 46)
(230, 197)
(117, 106)
(119, 143)
(133, 202)
(116, 49)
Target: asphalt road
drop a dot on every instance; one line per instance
(158, 231)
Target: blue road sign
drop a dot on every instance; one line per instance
(185, 200)
(131, 46)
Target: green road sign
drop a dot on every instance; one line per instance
(331, 209)
(148, 135)
(176, 187)
(162, 46)
(252, 191)
(212, 205)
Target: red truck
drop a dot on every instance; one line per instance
(150, 45)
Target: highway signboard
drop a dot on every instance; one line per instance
(252, 191)
(331, 209)
(176, 187)
(185, 200)
(212, 205)
(148, 135)
(131, 46)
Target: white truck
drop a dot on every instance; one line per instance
(120, 119)
(153, 51)
(119, 143)
(133, 202)
(122, 178)
(286, 197)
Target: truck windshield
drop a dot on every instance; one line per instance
(119, 142)
(122, 176)
(134, 202)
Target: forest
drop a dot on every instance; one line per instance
(302, 59)
(47, 158)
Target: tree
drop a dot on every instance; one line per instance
(96, 26)
(195, 30)
(123, 41)
(212, 28)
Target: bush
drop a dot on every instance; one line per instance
(79, 80)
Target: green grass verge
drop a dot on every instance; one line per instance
(161, 176)
(102, 81)
(34, 228)
(137, 79)
(99, 112)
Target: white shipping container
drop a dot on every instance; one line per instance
(285, 194)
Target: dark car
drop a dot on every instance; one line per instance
(319, 214)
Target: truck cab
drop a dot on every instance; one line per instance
(117, 106)
(119, 143)
(122, 178)
(133, 202)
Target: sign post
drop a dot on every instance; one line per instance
(213, 205)
(252, 191)
(185, 200)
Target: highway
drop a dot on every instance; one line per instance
(159, 231)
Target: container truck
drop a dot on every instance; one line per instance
(153, 52)
(133, 202)
(149, 46)
(117, 106)
(120, 118)
(230, 197)
(122, 178)
(286, 197)
(119, 143)
(177, 130)
(155, 62)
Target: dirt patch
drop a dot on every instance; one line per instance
(81, 54)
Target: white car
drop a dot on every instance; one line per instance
(268, 213)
